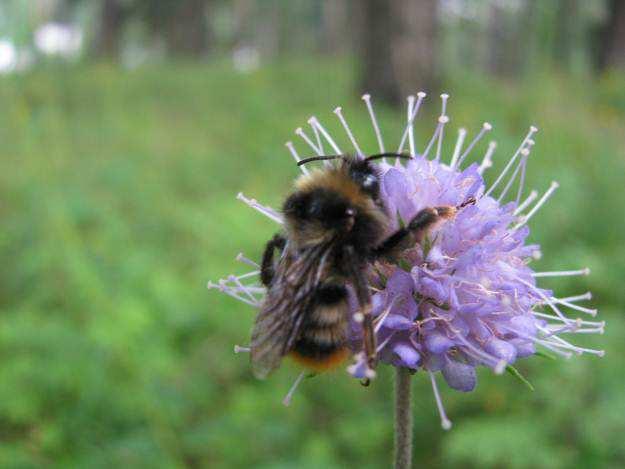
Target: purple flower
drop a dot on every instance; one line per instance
(466, 296)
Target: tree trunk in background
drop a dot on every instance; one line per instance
(398, 48)
(109, 35)
(499, 62)
(187, 29)
(612, 40)
(566, 28)
(334, 33)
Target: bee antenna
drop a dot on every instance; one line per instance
(389, 154)
(318, 158)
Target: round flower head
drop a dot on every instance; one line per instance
(465, 296)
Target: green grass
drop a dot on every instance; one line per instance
(117, 201)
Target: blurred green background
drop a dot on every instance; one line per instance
(127, 129)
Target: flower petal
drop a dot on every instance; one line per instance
(459, 376)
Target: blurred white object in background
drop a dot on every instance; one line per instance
(245, 59)
(8, 56)
(59, 39)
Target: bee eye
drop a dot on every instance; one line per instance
(369, 181)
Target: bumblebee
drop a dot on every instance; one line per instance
(335, 227)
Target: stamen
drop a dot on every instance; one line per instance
(526, 202)
(524, 219)
(314, 122)
(487, 162)
(597, 330)
(443, 119)
(567, 320)
(231, 292)
(367, 99)
(267, 211)
(296, 157)
(338, 112)
(486, 127)
(568, 346)
(240, 349)
(445, 422)
(545, 299)
(584, 296)
(299, 131)
(520, 166)
(242, 288)
(249, 274)
(531, 132)
(545, 343)
(522, 180)
(241, 258)
(562, 273)
(289, 395)
(495, 363)
(410, 126)
(382, 317)
(434, 137)
(317, 137)
(462, 133)
(409, 129)
(591, 311)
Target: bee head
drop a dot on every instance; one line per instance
(320, 212)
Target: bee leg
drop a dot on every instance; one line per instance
(416, 229)
(364, 302)
(267, 267)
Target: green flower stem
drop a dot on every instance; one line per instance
(403, 418)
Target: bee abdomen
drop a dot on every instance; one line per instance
(322, 343)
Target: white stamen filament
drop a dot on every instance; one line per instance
(531, 132)
(267, 211)
(314, 122)
(526, 202)
(562, 273)
(289, 395)
(350, 135)
(560, 342)
(433, 139)
(549, 332)
(445, 422)
(596, 330)
(522, 180)
(242, 288)
(487, 161)
(240, 349)
(443, 119)
(584, 296)
(248, 274)
(367, 99)
(545, 343)
(317, 137)
(591, 311)
(545, 299)
(495, 363)
(462, 133)
(299, 131)
(520, 166)
(296, 157)
(409, 126)
(568, 320)
(486, 127)
(230, 292)
(524, 219)
(241, 258)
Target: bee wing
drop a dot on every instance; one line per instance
(279, 322)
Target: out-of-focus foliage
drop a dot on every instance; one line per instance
(117, 205)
